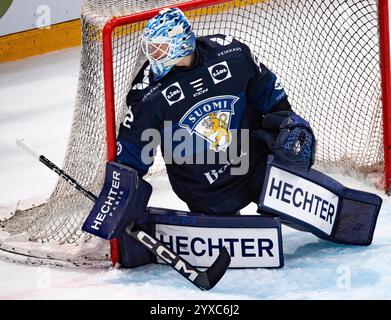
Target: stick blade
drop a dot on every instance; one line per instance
(208, 279)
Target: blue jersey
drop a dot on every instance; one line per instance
(199, 112)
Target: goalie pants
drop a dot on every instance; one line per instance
(245, 193)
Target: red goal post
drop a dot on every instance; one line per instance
(385, 56)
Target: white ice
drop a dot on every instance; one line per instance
(36, 103)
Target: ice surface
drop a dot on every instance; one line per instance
(36, 103)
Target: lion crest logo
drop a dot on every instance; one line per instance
(210, 119)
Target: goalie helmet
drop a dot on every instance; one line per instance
(167, 38)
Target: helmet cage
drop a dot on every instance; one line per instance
(158, 50)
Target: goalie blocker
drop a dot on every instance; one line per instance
(313, 202)
(122, 200)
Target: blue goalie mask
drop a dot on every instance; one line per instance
(167, 39)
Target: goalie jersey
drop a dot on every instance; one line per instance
(197, 114)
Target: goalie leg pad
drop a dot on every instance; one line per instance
(252, 241)
(122, 200)
(312, 201)
(132, 253)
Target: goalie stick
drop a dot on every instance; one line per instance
(204, 280)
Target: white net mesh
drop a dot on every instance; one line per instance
(326, 53)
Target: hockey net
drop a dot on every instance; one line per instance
(326, 53)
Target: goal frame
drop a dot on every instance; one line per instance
(385, 56)
(107, 37)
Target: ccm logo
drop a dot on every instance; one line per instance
(166, 255)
